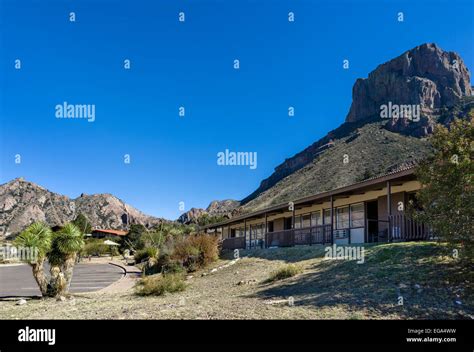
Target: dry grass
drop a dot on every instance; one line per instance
(157, 285)
(285, 272)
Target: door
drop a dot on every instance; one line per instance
(372, 221)
(288, 224)
(270, 226)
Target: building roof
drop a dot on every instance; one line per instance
(112, 232)
(407, 171)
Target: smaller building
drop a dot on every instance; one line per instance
(102, 233)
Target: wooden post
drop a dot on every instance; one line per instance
(293, 218)
(293, 225)
(266, 230)
(389, 208)
(332, 220)
(250, 236)
(245, 233)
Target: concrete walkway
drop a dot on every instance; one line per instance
(126, 283)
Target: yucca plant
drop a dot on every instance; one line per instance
(66, 243)
(60, 249)
(37, 236)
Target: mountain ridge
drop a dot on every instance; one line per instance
(23, 202)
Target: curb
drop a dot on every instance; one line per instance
(126, 269)
(10, 265)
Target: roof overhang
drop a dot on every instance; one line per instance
(359, 187)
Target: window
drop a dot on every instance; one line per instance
(357, 215)
(327, 216)
(316, 219)
(342, 218)
(297, 222)
(306, 220)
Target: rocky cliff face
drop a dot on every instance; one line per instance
(191, 215)
(23, 202)
(427, 76)
(216, 207)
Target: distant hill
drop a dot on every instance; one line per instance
(23, 202)
(435, 80)
(216, 207)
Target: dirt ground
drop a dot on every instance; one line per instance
(396, 281)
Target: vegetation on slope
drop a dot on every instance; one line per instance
(424, 274)
(369, 151)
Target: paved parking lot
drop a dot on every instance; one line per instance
(18, 280)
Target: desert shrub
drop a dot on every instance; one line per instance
(158, 285)
(145, 254)
(185, 253)
(173, 267)
(95, 247)
(196, 251)
(285, 272)
(163, 264)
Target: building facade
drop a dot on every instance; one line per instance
(373, 210)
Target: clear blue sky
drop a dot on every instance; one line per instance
(173, 158)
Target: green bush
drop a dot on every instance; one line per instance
(95, 247)
(285, 272)
(173, 267)
(158, 285)
(145, 254)
(164, 264)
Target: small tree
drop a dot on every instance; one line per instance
(133, 240)
(447, 196)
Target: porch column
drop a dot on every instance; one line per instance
(245, 233)
(293, 217)
(389, 208)
(250, 236)
(332, 220)
(293, 225)
(266, 230)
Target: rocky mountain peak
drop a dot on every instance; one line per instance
(427, 79)
(426, 76)
(216, 207)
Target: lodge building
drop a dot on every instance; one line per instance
(365, 212)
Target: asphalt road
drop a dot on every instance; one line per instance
(18, 281)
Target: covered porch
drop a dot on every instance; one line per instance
(365, 212)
